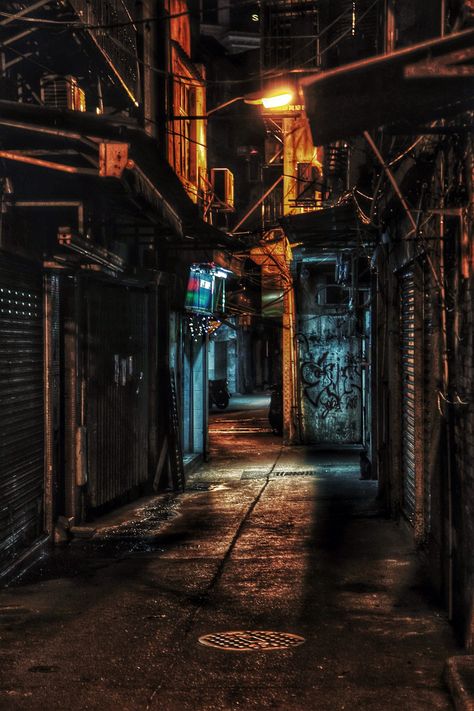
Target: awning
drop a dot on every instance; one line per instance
(151, 176)
(330, 228)
(410, 86)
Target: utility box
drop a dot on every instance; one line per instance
(113, 159)
(222, 181)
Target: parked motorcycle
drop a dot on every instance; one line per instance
(218, 394)
(275, 413)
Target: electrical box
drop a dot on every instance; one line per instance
(222, 181)
(113, 159)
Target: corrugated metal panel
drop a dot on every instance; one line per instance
(21, 408)
(117, 391)
(407, 345)
(429, 399)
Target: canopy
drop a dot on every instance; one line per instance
(410, 86)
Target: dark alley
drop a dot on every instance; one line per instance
(236, 355)
(265, 538)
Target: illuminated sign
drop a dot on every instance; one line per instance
(206, 289)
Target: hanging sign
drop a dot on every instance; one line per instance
(206, 289)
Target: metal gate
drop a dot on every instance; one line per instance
(21, 408)
(117, 386)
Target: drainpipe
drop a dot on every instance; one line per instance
(71, 410)
(445, 377)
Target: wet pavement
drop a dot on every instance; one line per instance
(266, 538)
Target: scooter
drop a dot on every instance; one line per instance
(218, 394)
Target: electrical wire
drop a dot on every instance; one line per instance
(269, 74)
(77, 24)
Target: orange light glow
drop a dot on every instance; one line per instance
(276, 101)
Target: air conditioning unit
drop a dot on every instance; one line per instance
(62, 92)
(222, 181)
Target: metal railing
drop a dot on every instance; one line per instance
(117, 41)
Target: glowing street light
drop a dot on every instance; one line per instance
(275, 102)
(278, 98)
(271, 100)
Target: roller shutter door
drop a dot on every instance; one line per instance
(21, 409)
(408, 405)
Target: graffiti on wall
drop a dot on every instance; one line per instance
(331, 385)
(331, 376)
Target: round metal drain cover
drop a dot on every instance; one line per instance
(251, 640)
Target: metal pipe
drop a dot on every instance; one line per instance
(17, 60)
(25, 11)
(9, 155)
(19, 36)
(391, 177)
(257, 204)
(48, 406)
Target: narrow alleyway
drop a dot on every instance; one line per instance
(264, 538)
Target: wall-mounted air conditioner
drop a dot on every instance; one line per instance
(62, 92)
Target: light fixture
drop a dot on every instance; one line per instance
(276, 101)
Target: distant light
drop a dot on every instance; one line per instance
(274, 102)
(255, 18)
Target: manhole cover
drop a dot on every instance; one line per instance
(251, 641)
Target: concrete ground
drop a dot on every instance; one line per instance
(266, 538)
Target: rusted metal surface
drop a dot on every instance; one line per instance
(251, 641)
(117, 391)
(21, 408)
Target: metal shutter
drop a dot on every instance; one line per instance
(21, 409)
(117, 391)
(407, 345)
(430, 391)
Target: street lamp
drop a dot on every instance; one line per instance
(274, 99)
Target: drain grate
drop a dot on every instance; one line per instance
(261, 474)
(254, 474)
(251, 641)
(302, 472)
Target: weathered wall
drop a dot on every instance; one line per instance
(329, 360)
(463, 419)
